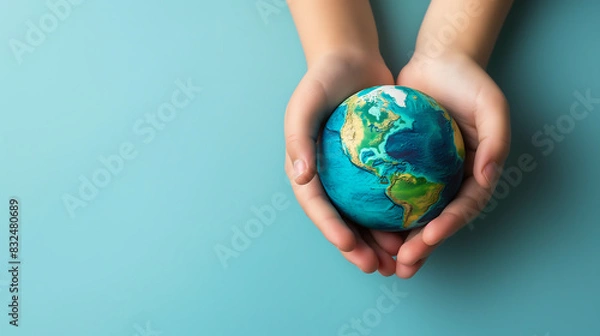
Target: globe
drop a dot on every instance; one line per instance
(390, 158)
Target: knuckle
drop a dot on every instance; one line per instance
(293, 139)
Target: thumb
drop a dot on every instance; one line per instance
(493, 129)
(305, 113)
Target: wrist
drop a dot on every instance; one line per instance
(351, 55)
(462, 27)
(425, 55)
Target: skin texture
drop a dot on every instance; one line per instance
(340, 42)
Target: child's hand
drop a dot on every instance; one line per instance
(451, 70)
(459, 84)
(329, 80)
(339, 38)
(340, 42)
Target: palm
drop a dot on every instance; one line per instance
(480, 110)
(456, 88)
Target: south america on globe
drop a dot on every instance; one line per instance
(390, 158)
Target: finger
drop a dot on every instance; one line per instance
(467, 205)
(387, 265)
(414, 249)
(407, 272)
(363, 255)
(493, 130)
(318, 208)
(390, 242)
(305, 113)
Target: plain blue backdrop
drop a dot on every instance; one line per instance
(132, 249)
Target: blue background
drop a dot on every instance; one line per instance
(140, 257)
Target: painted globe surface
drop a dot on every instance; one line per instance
(390, 158)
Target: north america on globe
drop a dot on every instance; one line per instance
(391, 158)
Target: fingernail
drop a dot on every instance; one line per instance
(491, 172)
(299, 168)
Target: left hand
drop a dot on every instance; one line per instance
(329, 80)
(480, 109)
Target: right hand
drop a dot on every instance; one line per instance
(328, 82)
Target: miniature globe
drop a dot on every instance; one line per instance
(390, 158)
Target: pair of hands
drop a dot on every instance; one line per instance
(459, 84)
